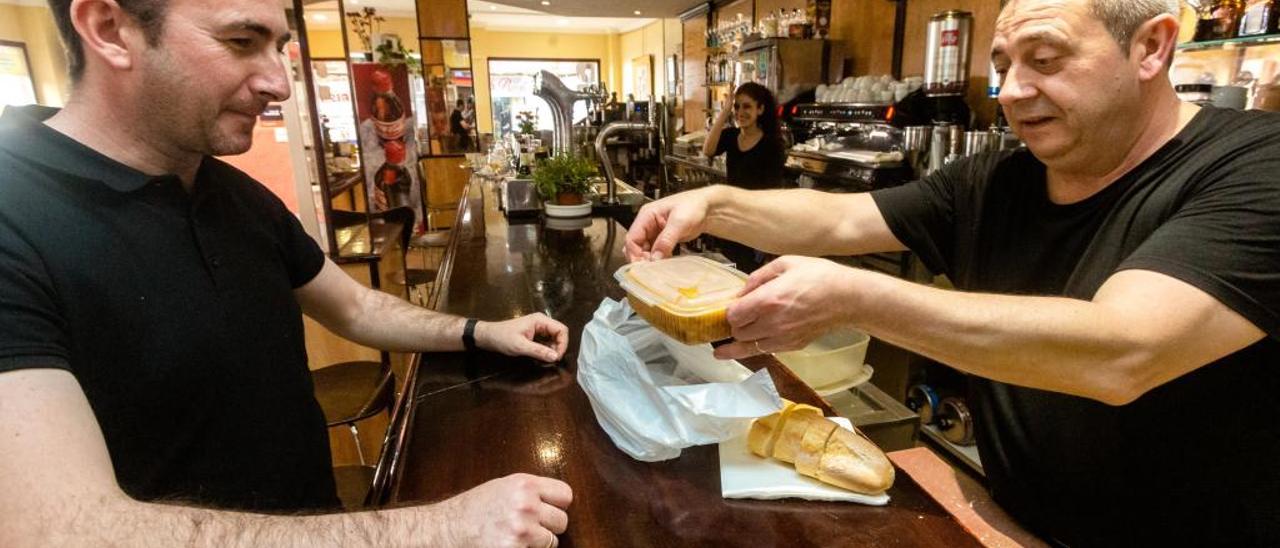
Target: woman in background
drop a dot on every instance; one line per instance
(754, 150)
(754, 154)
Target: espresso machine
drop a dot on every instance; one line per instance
(850, 147)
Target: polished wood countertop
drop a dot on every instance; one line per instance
(471, 417)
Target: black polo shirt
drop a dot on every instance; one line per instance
(174, 311)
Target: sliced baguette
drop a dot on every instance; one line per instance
(851, 461)
(764, 432)
(811, 446)
(791, 428)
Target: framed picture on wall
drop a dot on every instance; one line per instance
(16, 85)
(673, 76)
(642, 76)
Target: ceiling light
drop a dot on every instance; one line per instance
(493, 7)
(320, 17)
(546, 2)
(637, 12)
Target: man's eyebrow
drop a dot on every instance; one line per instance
(261, 30)
(1043, 37)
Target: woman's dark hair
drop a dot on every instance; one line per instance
(768, 120)
(149, 14)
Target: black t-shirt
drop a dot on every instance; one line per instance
(175, 312)
(759, 167)
(455, 123)
(1191, 462)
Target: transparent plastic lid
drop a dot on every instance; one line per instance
(685, 286)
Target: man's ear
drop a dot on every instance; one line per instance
(1153, 45)
(107, 33)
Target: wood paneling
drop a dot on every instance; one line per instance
(866, 29)
(984, 28)
(444, 178)
(695, 73)
(765, 7)
(728, 13)
(443, 19)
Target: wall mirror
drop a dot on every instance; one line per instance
(450, 98)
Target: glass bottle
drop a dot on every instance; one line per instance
(392, 179)
(1259, 17)
(1226, 19)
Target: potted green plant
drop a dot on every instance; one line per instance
(528, 122)
(564, 180)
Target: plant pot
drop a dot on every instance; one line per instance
(567, 211)
(569, 199)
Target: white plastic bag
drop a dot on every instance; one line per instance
(650, 394)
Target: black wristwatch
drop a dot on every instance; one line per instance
(469, 334)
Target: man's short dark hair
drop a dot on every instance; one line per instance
(148, 13)
(1123, 17)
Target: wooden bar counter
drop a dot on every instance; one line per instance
(469, 418)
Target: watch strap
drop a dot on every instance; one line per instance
(469, 334)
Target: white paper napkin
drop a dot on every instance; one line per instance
(743, 475)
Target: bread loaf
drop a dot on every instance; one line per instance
(821, 449)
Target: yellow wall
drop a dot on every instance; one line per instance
(33, 26)
(325, 43)
(648, 40)
(328, 42)
(537, 45)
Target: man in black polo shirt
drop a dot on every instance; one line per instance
(1120, 303)
(152, 362)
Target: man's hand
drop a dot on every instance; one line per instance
(519, 510)
(787, 304)
(519, 337)
(663, 224)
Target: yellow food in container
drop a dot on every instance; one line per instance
(683, 297)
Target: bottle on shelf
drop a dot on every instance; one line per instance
(1220, 21)
(1260, 17)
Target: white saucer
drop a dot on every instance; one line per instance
(841, 386)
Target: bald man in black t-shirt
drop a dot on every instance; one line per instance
(1119, 284)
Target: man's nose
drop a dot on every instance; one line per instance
(1016, 86)
(272, 81)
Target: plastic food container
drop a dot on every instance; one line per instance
(834, 358)
(684, 297)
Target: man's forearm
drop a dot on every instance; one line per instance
(1051, 343)
(396, 325)
(127, 522)
(797, 222)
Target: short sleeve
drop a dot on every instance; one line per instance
(1225, 240)
(302, 256)
(922, 215)
(33, 332)
(300, 253)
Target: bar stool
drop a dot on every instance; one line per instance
(415, 279)
(348, 393)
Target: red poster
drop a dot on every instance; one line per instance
(384, 112)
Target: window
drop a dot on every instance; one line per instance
(511, 89)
